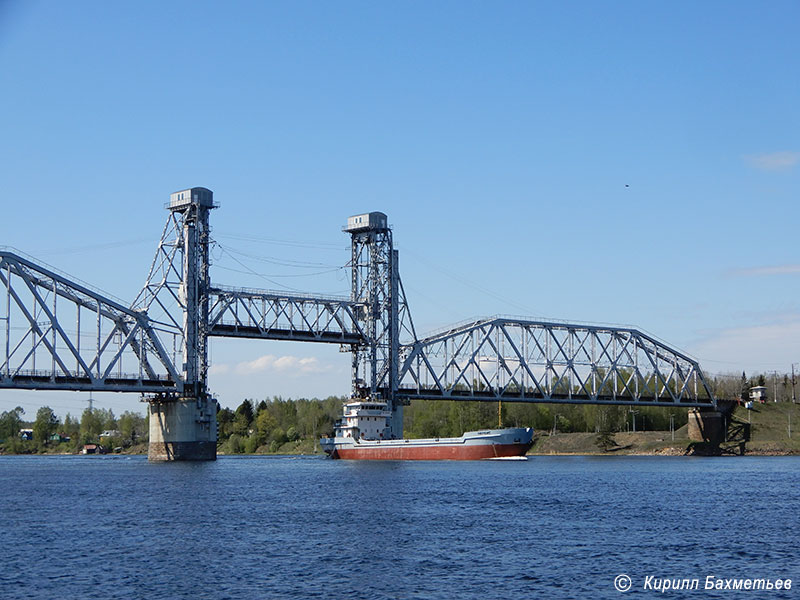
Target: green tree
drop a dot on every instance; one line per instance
(45, 425)
(246, 411)
(109, 422)
(241, 426)
(563, 424)
(71, 427)
(132, 428)
(265, 423)
(252, 443)
(284, 411)
(225, 417)
(91, 426)
(243, 419)
(310, 416)
(11, 423)
(605, 441)
(278, 436)
(234, 445)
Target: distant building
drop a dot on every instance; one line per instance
(758, 393)
(26, 434)
(109, 433)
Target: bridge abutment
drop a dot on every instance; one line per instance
(183, 429)
(706, 426)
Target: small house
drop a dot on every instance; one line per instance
(93, 449)
(758, 393)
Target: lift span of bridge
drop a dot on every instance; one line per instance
(61, 334)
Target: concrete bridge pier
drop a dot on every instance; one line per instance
(706, 426)
(183, 429)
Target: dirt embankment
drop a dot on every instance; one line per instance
(774, 431)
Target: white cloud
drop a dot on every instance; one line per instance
(766, 271)
(774, 161)
(755, 348)
(290, 365)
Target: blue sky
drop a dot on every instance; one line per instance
(620, 162)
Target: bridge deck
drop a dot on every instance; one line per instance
(45, 381)
(532, 397)
(252, 332)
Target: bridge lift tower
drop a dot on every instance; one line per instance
(183, 426)
(380, 304)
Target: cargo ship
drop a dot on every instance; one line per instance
(361, 435)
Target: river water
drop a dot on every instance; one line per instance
(309, 527)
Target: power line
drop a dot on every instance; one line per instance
(464, 281)
(95, 247)
(252, 272)
(300, 264)
(273, 275)
(292, 243)
(326, 268)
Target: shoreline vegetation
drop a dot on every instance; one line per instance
(293, 427)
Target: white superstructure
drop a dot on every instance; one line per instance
(366, 420)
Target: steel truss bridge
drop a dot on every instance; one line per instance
(60, 334)
(524, 360)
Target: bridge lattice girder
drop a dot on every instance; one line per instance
(58, 334)
(537, 361)
(272, 315)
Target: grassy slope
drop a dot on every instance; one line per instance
(769, 435)
(769, 432)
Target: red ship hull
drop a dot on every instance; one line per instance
(471, 446)
(433, 453)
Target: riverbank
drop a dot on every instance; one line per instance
(774, 431)
(651, 443)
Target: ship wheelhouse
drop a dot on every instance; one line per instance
(365, 419)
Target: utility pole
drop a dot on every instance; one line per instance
(633, 416)
(775, 386)
(672, 425)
